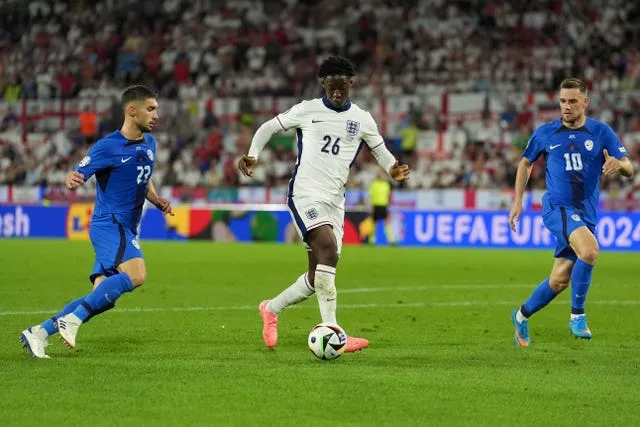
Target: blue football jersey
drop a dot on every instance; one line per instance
(122, 168)
(574, 159)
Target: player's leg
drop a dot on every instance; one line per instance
(323, 244)
(299, 291)
(326, 244)
(131, 274)
(388, 228)
(302, 288)
(118, 251)
(34, 339)
(374, 215)
(555, 220)
(542, 295)
(313, 221)
(269, 310)
(550, 287)
(585, 245)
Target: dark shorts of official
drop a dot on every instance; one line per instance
(380, 212)
(113, 244)
(561, 222)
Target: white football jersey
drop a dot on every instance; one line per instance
(328, 142)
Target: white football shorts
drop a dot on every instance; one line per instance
(307, 214)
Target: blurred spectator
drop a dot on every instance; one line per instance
(66, 81)
(88, 125)
(488, 134)
(9, 120)
(521, 139)
(12, 90)
(409, 142)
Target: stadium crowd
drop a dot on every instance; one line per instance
(66, 49)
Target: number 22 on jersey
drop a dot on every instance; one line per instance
(143, 174)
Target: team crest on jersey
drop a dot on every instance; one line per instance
(352, 128)
(135, 243)
(575, 217)
(312, 213)
(150, 155)
(85, 161)
(588, 144)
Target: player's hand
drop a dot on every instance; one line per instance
(611, 165)
(399, 172)
(74, 180)
(514, 215)
(164, 205)
(246, 164)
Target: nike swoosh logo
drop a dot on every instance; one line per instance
(125, 160)
(316, 121)
(554, 146)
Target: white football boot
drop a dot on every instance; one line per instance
(34, 339)
(68, 326)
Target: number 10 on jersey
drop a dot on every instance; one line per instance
(573, 162)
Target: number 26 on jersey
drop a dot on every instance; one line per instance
(331, 146)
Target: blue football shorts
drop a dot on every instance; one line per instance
(561, 222)
(113, 244)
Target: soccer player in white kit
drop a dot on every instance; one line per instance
(331, 130)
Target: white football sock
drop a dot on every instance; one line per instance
(299, 291)
(325, 284)
(520, 317)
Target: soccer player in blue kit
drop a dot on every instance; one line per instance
(123, 163)
(578, 150)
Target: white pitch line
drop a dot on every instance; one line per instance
(483, 303)
(435, 288)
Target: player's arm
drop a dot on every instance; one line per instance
(99, 157)
(163, 204)
(260, 139)
(613, 166)
(74, 180)
(383, 156)
(287, 120)
(522, 178)
(530, 154)
(616, 160)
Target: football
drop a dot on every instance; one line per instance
(327, 341)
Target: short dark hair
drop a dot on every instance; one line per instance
(336, 66)
(136, 93)
(573, 83)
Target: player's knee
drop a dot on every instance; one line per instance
(590, 254)
(326, 252)
(138, 277)
(328, 257)
(558, 283)
(98, 280)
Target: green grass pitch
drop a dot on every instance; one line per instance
(186, 348)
